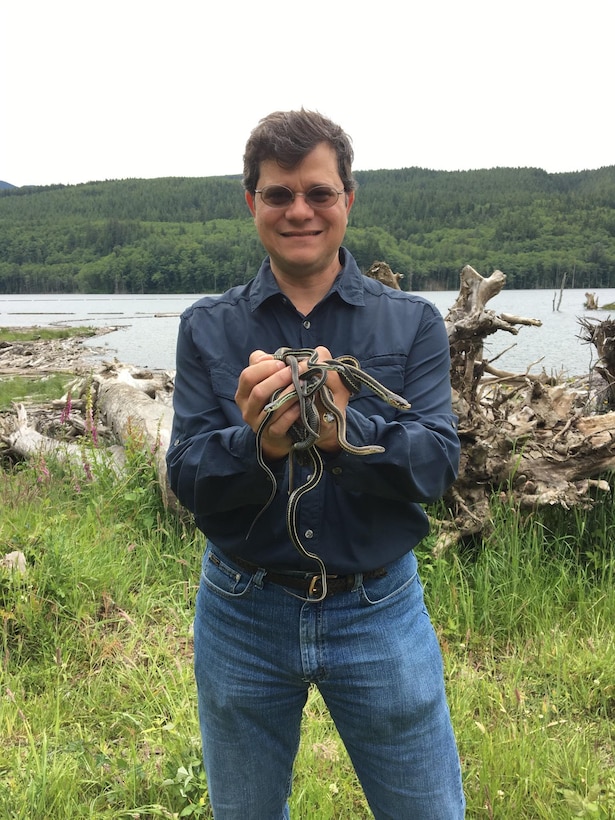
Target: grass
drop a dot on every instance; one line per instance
(527, 633)
(35, 334)
(97, 700)
(31, 389)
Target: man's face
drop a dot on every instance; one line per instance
(302, 240)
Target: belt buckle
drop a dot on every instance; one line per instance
(314, 583)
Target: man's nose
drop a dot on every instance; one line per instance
(299, 207)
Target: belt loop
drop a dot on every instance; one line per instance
(258, 577)
(358, 582)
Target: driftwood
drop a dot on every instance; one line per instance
(99, 414)
(602, 336)
(591, 301)
(383, 273)
(557, 299)
(26, 441)
(140, 406)
(526, 437)
(468, 323)
(41, 357)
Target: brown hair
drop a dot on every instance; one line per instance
(287, 137)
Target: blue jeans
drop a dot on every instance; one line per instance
(373, 654)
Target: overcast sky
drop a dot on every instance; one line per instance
(110, 89)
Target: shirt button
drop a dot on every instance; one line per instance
(309, 534)
(337, 471)
(307, 324)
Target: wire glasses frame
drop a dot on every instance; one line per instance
(279, 196)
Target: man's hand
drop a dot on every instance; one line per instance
(257, 383)
(328, 439)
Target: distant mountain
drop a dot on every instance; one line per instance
(195, 235)
(5, 185)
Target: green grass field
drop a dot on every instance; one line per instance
(98, 706)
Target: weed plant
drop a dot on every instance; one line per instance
(98, 706)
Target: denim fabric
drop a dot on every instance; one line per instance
(373, 654)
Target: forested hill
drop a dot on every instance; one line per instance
(195, 235)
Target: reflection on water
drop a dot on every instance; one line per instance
(147, 325)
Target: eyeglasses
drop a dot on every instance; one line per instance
(279, 196)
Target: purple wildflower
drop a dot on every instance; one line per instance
(66, 411)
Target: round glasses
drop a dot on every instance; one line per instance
(279, 196)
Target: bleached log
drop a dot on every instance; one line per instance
(469, 317)
(468, 323)
(520, 320)
(27, 442)
(130, 412)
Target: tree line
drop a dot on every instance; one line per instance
(195, 235)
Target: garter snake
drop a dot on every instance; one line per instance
(305, 433)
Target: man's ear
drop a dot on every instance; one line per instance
(250, 203)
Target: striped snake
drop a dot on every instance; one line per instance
(305, 432)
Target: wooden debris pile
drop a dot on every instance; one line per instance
(527, 437)
(532, 440)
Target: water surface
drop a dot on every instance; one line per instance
(147, 325)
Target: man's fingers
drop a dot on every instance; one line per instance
(258, 355)
(257, 373)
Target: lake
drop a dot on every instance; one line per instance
(147, 325)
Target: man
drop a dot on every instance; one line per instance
(320, 586)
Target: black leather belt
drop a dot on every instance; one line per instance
(308, 583)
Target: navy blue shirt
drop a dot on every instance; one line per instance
(367, 509)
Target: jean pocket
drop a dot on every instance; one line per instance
(227, 581)
(401, 575)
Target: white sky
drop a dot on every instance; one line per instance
(110, 89)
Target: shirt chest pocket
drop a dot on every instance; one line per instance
(389, 372)
(224, 381)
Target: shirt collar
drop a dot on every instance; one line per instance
(349, 283)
